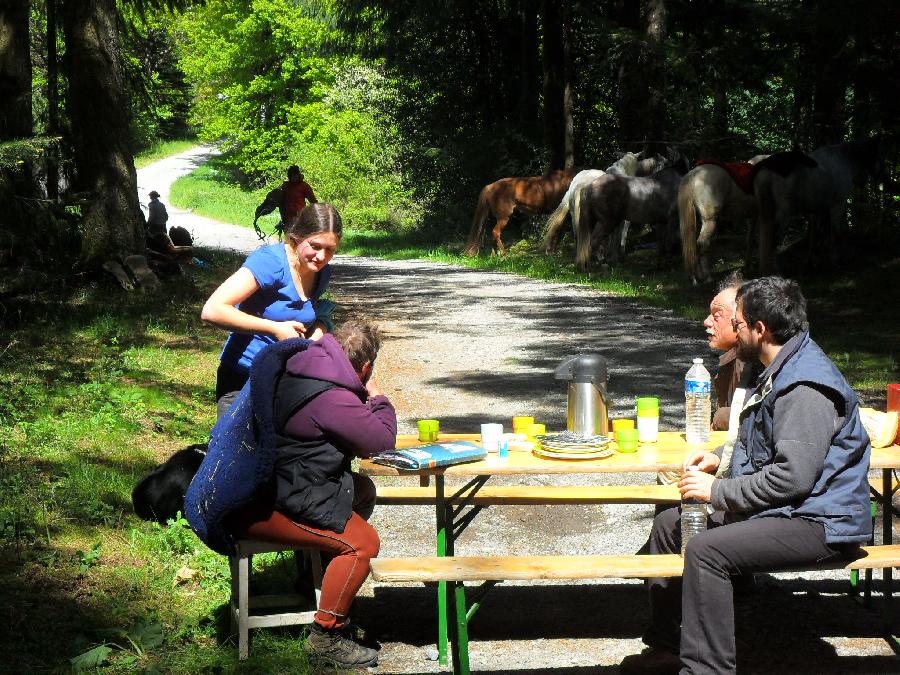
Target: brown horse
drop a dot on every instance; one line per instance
(532, 195)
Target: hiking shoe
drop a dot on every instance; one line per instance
(330, 645)
(361, 636)
(651, 661)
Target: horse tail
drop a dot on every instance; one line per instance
(687, 216)
(482, 210)
(582, 231)
(554, 223)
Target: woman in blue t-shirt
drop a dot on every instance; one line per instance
(273, 296)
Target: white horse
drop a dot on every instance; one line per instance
(710, 191)
(629, 164)
(792, 184)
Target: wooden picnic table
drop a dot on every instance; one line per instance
(668, 453)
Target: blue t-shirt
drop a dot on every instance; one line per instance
(277, 299)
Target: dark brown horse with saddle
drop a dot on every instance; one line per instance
(530, 195)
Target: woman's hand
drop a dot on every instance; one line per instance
(285, 330)
(373, 388)
(318, 330)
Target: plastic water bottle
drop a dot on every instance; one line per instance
(697, 403)
(693, 519)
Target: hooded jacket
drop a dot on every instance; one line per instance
(323, 418)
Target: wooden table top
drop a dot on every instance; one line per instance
(666, 454)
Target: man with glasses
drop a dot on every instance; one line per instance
(795, 492)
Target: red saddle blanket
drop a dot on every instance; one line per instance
(740, 172)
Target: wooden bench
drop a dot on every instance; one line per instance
(494, 569)
(497, 495)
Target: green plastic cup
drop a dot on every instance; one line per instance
(428, 430)
(647, 406)
(627, 440)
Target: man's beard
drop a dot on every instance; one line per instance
(748, 352)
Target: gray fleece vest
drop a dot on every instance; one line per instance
(840, 498)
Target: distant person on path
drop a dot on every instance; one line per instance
(157, 216)
(795, 492)
(274, 296)
(327, 411)
(163, 255)
(295, 192)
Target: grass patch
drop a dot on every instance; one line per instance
(162, 149)
(99, 386)
(208, 192)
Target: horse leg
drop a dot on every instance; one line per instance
(498, 229)
(707, 229)
(766, 246)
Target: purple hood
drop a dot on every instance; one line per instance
(346, 416)
(326, 360)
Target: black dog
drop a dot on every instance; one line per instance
(159, 495)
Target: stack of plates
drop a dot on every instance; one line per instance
(569, 445)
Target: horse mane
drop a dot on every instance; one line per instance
(784, 163)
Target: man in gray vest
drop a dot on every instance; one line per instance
(795, 492)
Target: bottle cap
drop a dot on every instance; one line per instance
(698, 360)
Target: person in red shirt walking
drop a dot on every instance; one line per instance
(295, 192)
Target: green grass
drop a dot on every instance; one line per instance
(98, 386)
(161, 150)
(208, 192)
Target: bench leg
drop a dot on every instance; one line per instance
(243, 564)
(460, 643)
(441, 520)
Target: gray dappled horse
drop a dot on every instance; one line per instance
(610, 199)
(629, 164)
(711, 192)
(817, 185)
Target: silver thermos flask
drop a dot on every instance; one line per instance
(587, 406)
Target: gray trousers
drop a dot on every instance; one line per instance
(694, 615)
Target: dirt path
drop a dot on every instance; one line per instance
(468, 347)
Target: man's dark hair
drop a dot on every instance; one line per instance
(360, 341)
(778, 303)
(293, 169)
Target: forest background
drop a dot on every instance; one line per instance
(399, 112)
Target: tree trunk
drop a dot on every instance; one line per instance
(554, 84)
(529, 69)
(15, 70)
(630, 92)
(52, 103)
(655, 79)
(568, 94)
(99, 113)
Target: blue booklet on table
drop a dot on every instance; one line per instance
(431, 456)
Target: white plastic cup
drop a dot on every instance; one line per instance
(491, 435)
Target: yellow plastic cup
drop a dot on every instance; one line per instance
(621, 423)
(520, 424)
(627, 440)
(428, 430)
(533, 430)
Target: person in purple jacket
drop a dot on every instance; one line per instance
(328, 410)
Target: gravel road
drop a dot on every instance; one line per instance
(467, 347)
